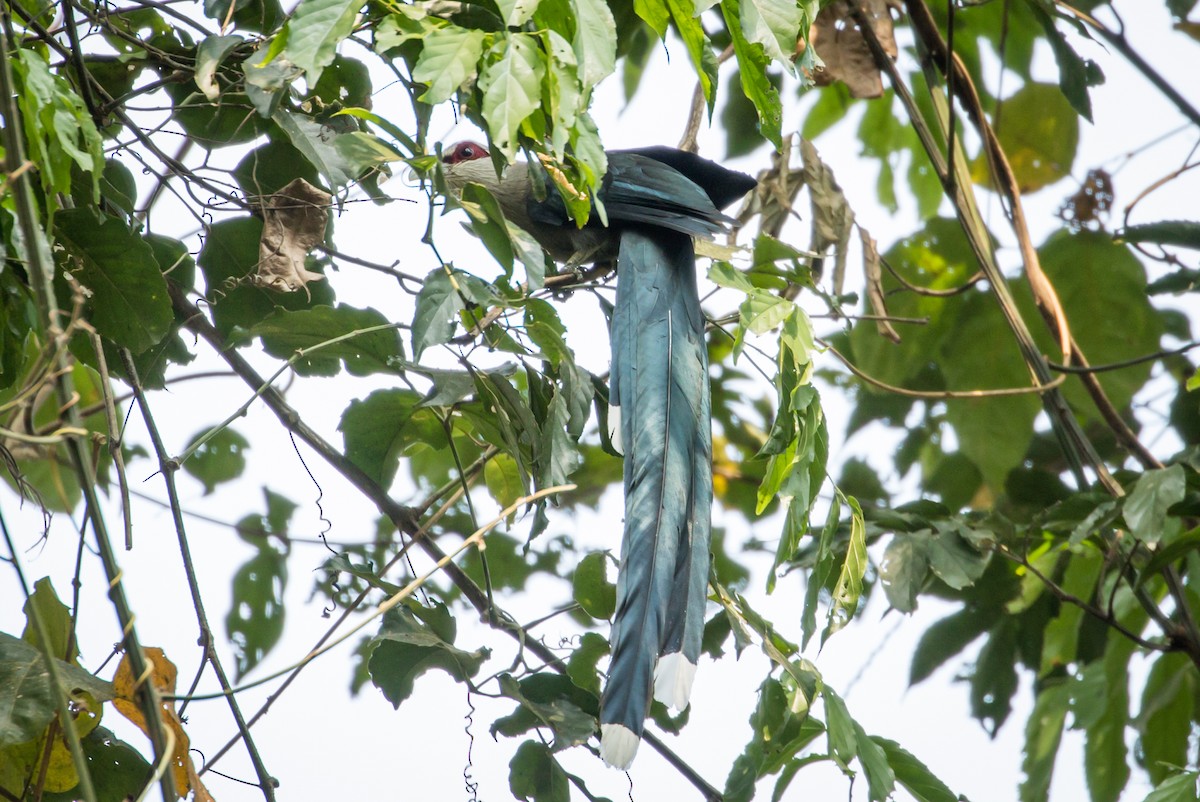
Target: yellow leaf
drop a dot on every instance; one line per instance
(162, 675)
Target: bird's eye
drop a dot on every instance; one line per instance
(466, 152)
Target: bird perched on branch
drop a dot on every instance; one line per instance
(655, 200)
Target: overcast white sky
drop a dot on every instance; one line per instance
(321, 744)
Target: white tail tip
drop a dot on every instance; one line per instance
(618, 745)
(614, 429)
(673, 678)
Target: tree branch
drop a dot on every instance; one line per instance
(167, 467)
(402, 517)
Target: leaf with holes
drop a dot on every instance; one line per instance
(220, 459)
(255, 620)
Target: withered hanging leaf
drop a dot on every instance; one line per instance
(874, 278)
(832, 216)
(774, 197)
(840, 44)
(163, 676)
(1094, 198)
(294, 220)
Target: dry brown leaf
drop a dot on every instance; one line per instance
(876, 300)
(774, 196)
(1192, 29)
(832, 216)
(840, 44)
(294, 221)
(1093, 200)
(163, 678)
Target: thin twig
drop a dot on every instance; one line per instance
(402, 517)
(939, 394)
(696, 115)
(1087, 607)
(115, 437)
(168, 467)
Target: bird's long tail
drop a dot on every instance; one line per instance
(660, 396)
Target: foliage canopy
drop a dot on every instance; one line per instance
(1020, 389)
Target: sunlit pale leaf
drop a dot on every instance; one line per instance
(314, 31)
(448, 58)
(511, 89)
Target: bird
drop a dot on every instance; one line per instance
(655, 200)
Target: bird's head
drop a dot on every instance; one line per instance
(465, 152)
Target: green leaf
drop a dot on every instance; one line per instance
(843, 739)
(28, 697)
(687, 22)
(945, 638)
(979, 353)
(581, 665)
(994, 680)
(1164, 722)
(511, 87)
(118, 771)
(591, 588)
(209, 55)
(449, 58)
(1060, 642)
(314, 31)
(503, 479)
(774, 24)
(914, 775)
(763, 311)
(1146, 507)
(557, 454)
(285, 332)
(595, 41)
(488, 223)
(1169, 553)
(655, 14)
(373, 431)
(259, 529)
(548, 700)
(129, 303)
(848, 589)
(954, 560)
(59, 131)
(904, 569)
(1043, 733)
(1113, 288)
(1039, 132)
(822, 571)
(220, 459)
(1180, 788)
(1106, 759)
(534, 775)
(412, 640)
(256, 614)
(881, 780)
(267, 81)
(437, 308)
(260, 16)
(1075, 74)
(1182, 233)
(319, 144)
(516, 13)
(781, 730)
(56, 618)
